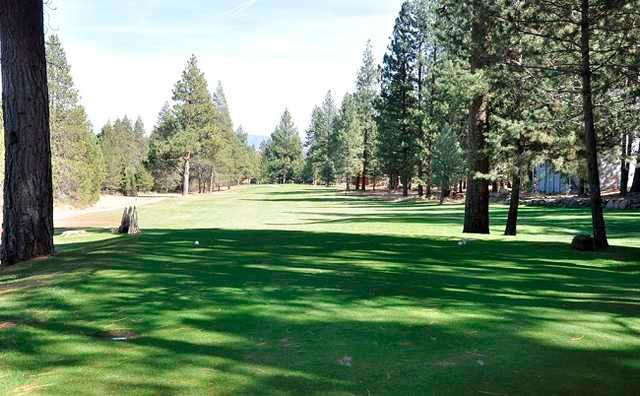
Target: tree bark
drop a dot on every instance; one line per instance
(476, 217)
(597, 215)
(635, 187)
(358, 182)
(624, 165)
(186, 175)
(512, 220)
(28, 191)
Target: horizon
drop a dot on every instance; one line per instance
(140, 50)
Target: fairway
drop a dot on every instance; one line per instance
(305, 290)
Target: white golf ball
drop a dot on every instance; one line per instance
(196, 243)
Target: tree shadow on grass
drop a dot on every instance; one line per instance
(273, 312)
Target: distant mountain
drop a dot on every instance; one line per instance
(256, 140)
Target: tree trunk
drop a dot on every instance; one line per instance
(405, 186)
(28, 191)
(635, 187)
(358, 183)
(624, 165)
(476, 217)
(512, 220)
(494, 186)
(348, 182)
(212, 180)
(365, 158)
(599, 226)
(186, 175)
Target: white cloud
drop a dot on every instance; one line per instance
(240, 8)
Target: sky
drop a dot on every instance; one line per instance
(126, 55)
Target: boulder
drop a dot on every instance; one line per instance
(583, 243)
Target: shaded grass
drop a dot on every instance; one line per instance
(288, 281)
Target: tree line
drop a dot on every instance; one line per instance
(194, 140)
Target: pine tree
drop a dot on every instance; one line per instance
(366, 95)
(584, 44)
(347, 141)
(320, 135)
(125, 151)
(187, 126)
(448, 161)
(222, 107)
(282, 152)
(78, 168)
(399, 134)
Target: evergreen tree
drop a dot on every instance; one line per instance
(585, 44)
(366, 95)
(320, 136)
(448, 161)
(222, 107)
(187, 126)
(78, 168)
(125, 150)
(399, 134)
(347, 141)
(282, 152)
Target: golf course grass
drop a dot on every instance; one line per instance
(303, 290)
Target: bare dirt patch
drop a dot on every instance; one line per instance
(103, 213)
(7, 325)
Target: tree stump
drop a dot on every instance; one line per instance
(129, 222)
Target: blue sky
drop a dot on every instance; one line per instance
(269, 54)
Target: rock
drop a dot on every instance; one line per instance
(583, 243)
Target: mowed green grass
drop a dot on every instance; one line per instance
(302, 290)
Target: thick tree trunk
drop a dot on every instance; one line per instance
(28, 192)
(512, 220)
(599, 226)
(624, 165)
(476, 217)
(358, 183)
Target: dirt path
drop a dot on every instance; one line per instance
(100, 214)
